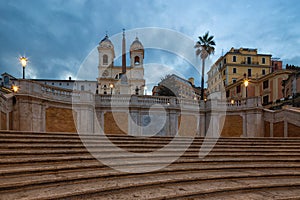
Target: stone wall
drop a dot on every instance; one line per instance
(282, 123)
(59, 120)
(278, 129)
(116, 123)
(293, 130)
(233, 126)
(187, 125)
(267, 129)
(3, 125)
(3, 112)
(28, 113)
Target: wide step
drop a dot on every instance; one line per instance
(58, 166)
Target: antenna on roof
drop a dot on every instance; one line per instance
(222, 52)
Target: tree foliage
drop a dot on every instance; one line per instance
(204, 47)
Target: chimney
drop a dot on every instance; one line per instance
(123, 53)
(70, 78)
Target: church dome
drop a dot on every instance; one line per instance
(136, 45)
(106, 43)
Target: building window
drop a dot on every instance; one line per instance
(234, 80)
(52, 83)
(263, 60)
(248, 60)
(227, 93)
(136, 60)
(6, 80)
(234, 70)
(233, 58)
(105, 59)
(238, 89)
(82, 88)
(266, 84)
(67, 84)
(263, 72)
(266, 100)
(224, 61)
(224, 72)
(249, 73)
(59, 83)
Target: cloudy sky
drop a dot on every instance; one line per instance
(59, 36)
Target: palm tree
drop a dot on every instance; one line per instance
(204, 47)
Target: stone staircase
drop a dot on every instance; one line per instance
(58, 166)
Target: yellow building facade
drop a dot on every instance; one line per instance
(237, 64)
(268, 87)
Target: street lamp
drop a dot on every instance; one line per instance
(111, 87)
(246, 83)
(23, 60)
(15, 88)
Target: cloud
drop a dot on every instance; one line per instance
(57, 35)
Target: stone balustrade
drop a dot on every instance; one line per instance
(29, 87)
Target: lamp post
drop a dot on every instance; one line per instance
(246, 83)
(111, 86)
(23, 60)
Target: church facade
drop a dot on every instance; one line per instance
(121, 79)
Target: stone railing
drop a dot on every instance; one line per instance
(49, 90)
(173, 102)
(29, 87)
(134, 100)
(245, 103)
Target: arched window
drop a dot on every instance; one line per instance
(118, 76)
(6, 80)
(105, 59)
(136, 60)
(104, 88)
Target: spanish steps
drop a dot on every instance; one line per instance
(59, 166)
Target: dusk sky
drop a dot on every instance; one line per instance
(58, 35)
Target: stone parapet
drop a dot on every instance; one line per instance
(26, 110)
